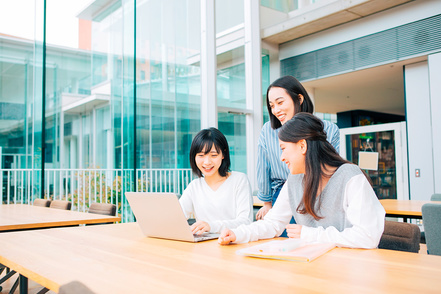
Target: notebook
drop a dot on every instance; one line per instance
(160, 215)
(289, 249)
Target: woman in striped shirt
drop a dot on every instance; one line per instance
(285, 97)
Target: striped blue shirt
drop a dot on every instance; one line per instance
(271, 171)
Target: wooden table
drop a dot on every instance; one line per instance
(119, 259)
(394, 208)
(257, 202)
(25, 217)
(404, 208)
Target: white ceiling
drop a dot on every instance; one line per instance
(379, 89)
(281, 27)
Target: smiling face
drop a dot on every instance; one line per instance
(281, 104)
(209, 163)
(294, 154)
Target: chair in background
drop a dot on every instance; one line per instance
(8, 274)
(435, 197)
(42, 202)
(61, 204)
(432, 228)
(103, 208)
(75, 287)
(400, 236)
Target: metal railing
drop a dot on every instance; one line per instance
(85, 186)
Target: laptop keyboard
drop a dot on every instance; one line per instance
(205, 236)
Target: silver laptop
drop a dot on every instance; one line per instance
(160, 216)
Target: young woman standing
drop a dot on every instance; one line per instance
(285, 97)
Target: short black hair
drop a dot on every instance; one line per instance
(206, 139)
(293, 87)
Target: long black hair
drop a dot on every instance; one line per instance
(293, 87)
(319, 154)
(204, 140)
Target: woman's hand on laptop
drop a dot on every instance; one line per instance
(226, 237)
(200, 227)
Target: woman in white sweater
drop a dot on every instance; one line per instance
(330, 198)
(219, 198)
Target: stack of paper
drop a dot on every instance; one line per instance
(290, 249)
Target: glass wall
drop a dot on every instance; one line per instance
(167, 82)
(229, 14)
(231, 93)
(98, 94)
(89, 106)
(234, 128)
(265, 83)
(21, 39)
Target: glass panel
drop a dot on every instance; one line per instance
(229, 13)
(383, 179)
(111, 75)
(16, 87)
(280, 5)
(125, 31)
(71, 135)
(103, 132)
(231, 79)
(67, 82)
(37, 123)
(86, 161)
(265, 84)
(167, 81)
(21, 41)
(68, 106)
(234, 128)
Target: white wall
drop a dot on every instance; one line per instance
(435, 107)
(419, 130)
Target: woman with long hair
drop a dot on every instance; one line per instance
(285, 97)
(330, 198)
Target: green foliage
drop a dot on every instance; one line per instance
(101, 187)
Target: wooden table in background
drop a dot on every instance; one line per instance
(257, 202)
(25, 217)
(118, 258)
(404, 208)
(394, 208)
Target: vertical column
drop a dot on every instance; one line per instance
(93, 144)
(110, 154)
(208, 65)
(74, 163)
(419, 131)
(435, 108)
(61, 143)
(80, 143)
(253, 84)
